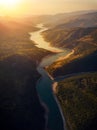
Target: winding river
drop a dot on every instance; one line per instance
(44, 86)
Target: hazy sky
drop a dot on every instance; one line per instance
(55, 6)
(49, 6)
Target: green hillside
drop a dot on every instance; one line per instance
(78, 97)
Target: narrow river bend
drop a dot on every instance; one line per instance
(44, 85)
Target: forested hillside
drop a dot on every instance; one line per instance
(77, 96)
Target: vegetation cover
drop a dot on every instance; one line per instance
(78, 33)
(20, 107)
(78, 94)
(78, 98)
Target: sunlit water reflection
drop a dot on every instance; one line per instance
(40, 42)
(44, 86)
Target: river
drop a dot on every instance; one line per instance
(55, 120)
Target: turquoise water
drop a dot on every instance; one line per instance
(44, 86)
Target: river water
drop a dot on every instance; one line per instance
(39, 41)
(44, 86)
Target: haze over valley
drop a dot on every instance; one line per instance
(48, 66)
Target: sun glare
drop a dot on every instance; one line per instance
(9, 3)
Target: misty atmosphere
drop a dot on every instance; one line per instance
(48, 65)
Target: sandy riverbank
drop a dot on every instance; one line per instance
(54, 90)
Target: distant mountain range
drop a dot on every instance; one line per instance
(71, 19)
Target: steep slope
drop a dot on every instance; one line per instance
(76, 93)
(82, 40)
(20, 107)
(76, 36)
(77, 96)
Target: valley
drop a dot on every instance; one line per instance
(20, 107)
(76, 75)
(33, 58)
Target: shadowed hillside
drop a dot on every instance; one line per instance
(77, 96)
(71, 37)
(76, 36)
(20, 108)
(84, 43)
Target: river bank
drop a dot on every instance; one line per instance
(20, 108)
(47, 96)
(39, 40)
(54, 90)
(77, 97)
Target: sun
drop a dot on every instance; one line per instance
(9, 3)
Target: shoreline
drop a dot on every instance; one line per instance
(65, 57)
(43, 64)
(54, 91)
(43, 104)
(54, 85)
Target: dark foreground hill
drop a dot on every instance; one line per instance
(78, 98)
(20, 107)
